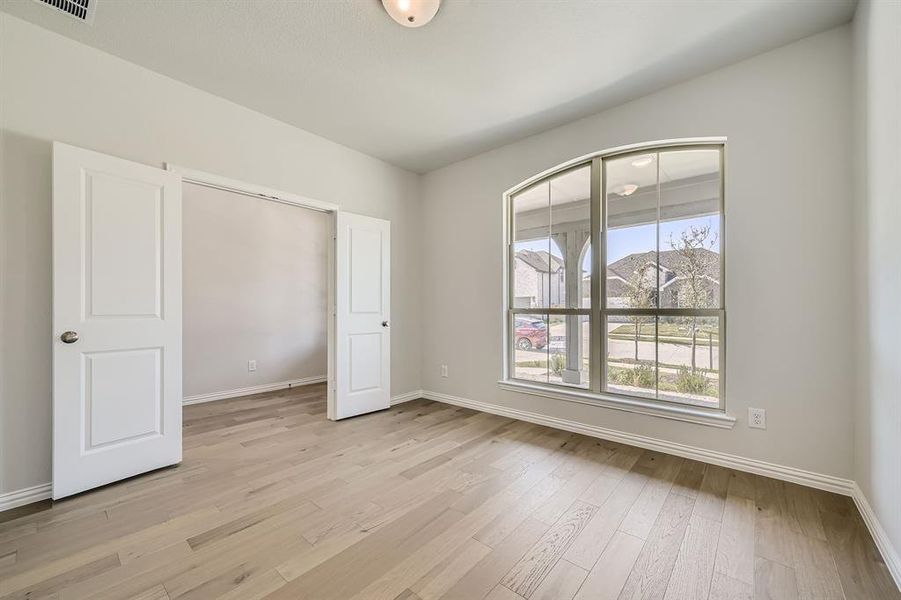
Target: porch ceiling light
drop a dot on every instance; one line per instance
(628, 189)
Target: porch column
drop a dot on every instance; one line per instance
(572, 242)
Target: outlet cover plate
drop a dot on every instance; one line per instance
(757, 418)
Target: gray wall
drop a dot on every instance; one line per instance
(255, 286)
(790, 305)
(877, 36)
(53, 88)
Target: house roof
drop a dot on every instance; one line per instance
(669, 260)
(616, 287)
(620, 272)
(540, 260)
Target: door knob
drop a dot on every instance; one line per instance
(69, 337)
(384, 323)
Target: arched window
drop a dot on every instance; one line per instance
(643, 318)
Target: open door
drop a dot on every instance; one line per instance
(362, 352)
(117, 381)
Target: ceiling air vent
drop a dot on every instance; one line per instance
(83, 10)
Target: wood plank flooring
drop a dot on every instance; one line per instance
(427, 501)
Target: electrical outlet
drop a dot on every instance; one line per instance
(251, 365)
(444, 370)
(757, 418)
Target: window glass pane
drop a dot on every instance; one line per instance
(631, 212)
(530, 347)
(688, 353)
(536, 271)
(569, 349)
(570, 200)
(631, 358)
(690, 229)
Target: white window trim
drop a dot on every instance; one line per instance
(676, 412)
(714, 417)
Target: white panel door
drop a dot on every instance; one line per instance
(116, 319)
(362, 316)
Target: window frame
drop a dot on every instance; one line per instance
(597, 392)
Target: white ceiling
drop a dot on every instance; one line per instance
(482, 74)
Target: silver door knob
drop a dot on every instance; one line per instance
(384, 323)
(69, 337)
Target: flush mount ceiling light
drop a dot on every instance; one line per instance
(628, 189)
(643, 161)
(411, 13)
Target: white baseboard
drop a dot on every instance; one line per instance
(880, 537)
(270, 387)
(732, 461)
(256, 389)
(25, 496)
(401, 398)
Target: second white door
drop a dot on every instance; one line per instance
(362, 319)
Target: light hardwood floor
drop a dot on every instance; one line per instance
(428, 501)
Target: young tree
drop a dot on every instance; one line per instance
(696, 261)
(641, 285)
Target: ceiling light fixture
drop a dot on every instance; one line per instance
(643, 161)
(412, 13)
(628, 189)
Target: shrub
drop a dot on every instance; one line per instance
(641, 375)
(691, 383)
(620, 376)
(558, 363)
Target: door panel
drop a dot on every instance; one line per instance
(117, 284)
(365, 361)
(123, 243)
(362, 316)
(114, 416)
(365, 270)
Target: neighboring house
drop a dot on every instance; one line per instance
(621, 275)
(538, 275)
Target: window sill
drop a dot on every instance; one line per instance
(699, 416)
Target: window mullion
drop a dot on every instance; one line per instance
(597, 376)
(511, 319)
(657, 268)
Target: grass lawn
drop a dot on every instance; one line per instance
(667, 332)
(662, 365)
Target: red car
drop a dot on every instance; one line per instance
(530, 333)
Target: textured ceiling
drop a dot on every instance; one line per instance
(482, 74)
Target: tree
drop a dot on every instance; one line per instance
(638, 295)
(696, 260)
